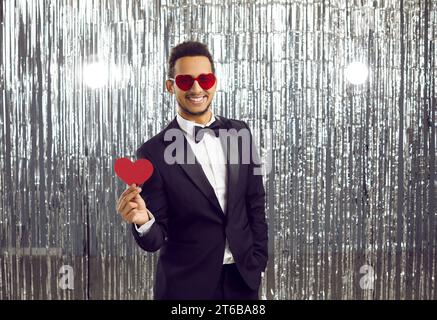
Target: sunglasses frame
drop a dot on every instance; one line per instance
(195, 79)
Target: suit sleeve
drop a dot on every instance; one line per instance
(153, 194)
(255, 204)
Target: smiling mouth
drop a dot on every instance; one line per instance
(197, 99)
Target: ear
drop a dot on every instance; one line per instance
(169, 86)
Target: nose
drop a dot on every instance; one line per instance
(196, 88)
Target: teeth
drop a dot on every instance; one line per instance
(196, 99)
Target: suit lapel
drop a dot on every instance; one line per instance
(194, 170)
(196, 174)
(232, 169)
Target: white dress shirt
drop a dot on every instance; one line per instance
(210, 154)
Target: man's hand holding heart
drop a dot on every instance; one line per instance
(130, 204)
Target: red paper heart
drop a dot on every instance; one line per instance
(133, 172)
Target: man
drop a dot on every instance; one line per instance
(206, 216)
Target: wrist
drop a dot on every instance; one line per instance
(143, 220)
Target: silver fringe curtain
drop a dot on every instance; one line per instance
(351, 190)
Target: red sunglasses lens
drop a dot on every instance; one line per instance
(206, 81)
(185, 82)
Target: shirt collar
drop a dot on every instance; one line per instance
(188, 126)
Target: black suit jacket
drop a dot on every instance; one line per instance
(190, 228)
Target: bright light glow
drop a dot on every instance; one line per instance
(95, 75)
(356, 73)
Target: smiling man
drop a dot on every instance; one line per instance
(207, 218)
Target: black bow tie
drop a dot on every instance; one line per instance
(200, 131)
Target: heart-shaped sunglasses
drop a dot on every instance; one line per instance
(185, 81)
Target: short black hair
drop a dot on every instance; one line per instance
(188, 49)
